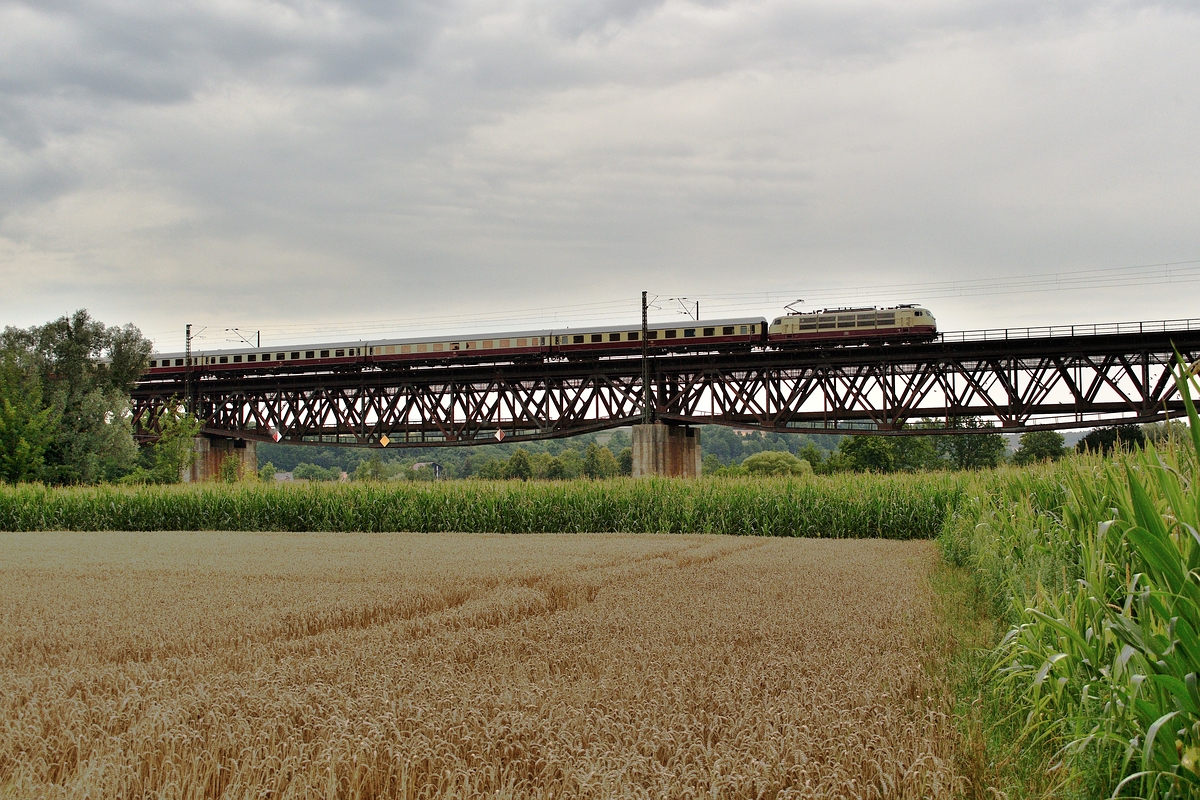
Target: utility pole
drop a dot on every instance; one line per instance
(187, 367)
(647, 395)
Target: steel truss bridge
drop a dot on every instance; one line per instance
(1022, 379)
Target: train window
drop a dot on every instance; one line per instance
(224, 359)
(324, 354)
(522, 343)
(237, 359)
(295, 354)
(777, 321)
(339, 353)
(743, 329)
(808, 324)
(727, 330)
(886, 319)
(614, 337)
(672, 334)
(689, 333)
(252, 357)
(710, 331)
(827, 322)
(154, 363)
(421, 348)
(597, 337)
(576, 340)
(918, 314)
(437, 347)
(310, 354)
(633, 335)
(488, 343)
(651, 334)
(405, 349)
(504, 343)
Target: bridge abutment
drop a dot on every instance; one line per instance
(666, 451)
(212, 453)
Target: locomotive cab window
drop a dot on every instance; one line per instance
(918, 314)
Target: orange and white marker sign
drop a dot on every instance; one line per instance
(499, 436)
(384, 440)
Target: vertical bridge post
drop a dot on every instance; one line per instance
(666, 451)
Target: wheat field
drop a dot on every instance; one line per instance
(188, 665)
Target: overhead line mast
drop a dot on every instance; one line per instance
(647, 408)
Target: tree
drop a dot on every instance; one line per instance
(85, 372)
(1037, 446)
(599, 462)
(26, 428)
(868, 453)
(518, 466)
(710, 464)
(625, 460)
(266, 472)
(492, 469)
(774, 462)
(812, 454)
(312, 472)
(972, 450)
(371, 470)
(230, 469)
(1105, 440)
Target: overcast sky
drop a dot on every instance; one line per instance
(309, 167)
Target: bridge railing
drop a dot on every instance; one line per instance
(1067, 331)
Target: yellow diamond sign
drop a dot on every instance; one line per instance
(384, 440)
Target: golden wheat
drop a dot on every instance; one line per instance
(399, 665)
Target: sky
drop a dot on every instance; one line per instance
(327, 170)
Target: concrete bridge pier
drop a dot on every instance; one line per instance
(666, 451)
(211, 452)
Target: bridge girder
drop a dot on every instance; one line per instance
(1024, 384)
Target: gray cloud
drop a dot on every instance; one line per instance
(262, 161)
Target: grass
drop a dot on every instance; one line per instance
(847, 506)
(364, 665)
(1093, 566)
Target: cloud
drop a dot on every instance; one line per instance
(247, 161)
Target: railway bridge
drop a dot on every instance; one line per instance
(1021, 379)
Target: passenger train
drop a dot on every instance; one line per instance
(837, 327)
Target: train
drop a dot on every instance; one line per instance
(828, 327)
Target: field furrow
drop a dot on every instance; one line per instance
(435, 665)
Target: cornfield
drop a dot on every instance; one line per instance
(369, 665)
(847, 506)
(1096, 564)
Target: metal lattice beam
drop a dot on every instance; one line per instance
(1022, 384)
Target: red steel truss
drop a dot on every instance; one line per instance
(1096, 376)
